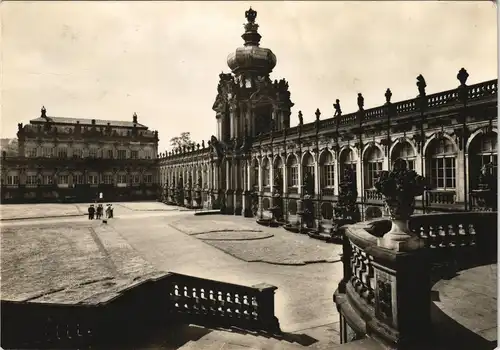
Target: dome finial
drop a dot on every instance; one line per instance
(250, 15)
(251, 36)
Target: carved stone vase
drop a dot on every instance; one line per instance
(400, 238)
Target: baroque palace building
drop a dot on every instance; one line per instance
(446, 136)
(73, 159)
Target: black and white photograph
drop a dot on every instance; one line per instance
(236, 175)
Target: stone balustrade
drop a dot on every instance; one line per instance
(114, 318)
(440, 197)
(373, 195)
(385, 293)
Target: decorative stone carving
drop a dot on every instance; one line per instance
(487, 191)
(399, 187)
(336, 107)
(301, 118)
(462, 76)
(421, 84)
(346, 208)
(361, 101)
(388, 95)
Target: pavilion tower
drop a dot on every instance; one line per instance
(248, 102)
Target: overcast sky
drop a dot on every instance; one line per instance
(107, 60)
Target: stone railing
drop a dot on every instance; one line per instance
(112, 320)
(440, 197)
(327, 191)
(385, 294)
(373, 195)
(293, 190)
(449, 98)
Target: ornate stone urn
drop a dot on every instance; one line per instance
(277, 203)
(487, 192)
(400, 187)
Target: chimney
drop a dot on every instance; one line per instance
(44, 111)
(134, 118)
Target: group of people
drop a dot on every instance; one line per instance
(97, 212)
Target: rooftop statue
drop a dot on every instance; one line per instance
(336, 106)
(421, 85)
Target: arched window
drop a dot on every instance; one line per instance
(482, 150)
(308, 165)
(373, 165)
(255, 174)
(442, 164)
(404, 151)
(348, 161)
(265, 172)
(293, 172)
(278, 170)
(327, 171)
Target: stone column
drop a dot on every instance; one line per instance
(300, 172)
(459, 176)
(271, 175)
(337, 175)
(359, 176)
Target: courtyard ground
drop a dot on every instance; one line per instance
(43, 259)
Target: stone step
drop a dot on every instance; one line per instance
(362, 344)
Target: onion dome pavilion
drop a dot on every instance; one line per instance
(251, 57)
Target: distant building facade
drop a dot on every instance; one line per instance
(73, 159)
(9, 146)
(447, 137)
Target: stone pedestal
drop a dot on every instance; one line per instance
(229, 209)
(238, 202)
(402, 297)
(247, 204)
(399, 239)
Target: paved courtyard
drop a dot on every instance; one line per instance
(43, 259)
(71, 251)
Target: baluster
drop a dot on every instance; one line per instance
(442, 236)
(451, 235)
(213, 302)
(461, 235)
(220, 299)
(237, 305)
(472, 234)
(423, 233)
(432, 237)
(255, 311)
(245, 305)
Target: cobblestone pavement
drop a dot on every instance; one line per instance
(284, 247)
(24, 211)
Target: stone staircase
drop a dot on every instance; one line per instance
(192, 337)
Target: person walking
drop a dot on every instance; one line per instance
(99, 211)
(111, 210)
(108, 211)
(91, 212)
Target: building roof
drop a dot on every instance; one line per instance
(85, 121)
